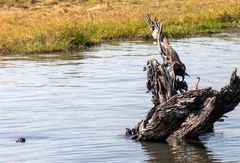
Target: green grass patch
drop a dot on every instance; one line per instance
(77, 36)
(39, 26)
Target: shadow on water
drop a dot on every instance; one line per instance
(187, 151)
(47, 57)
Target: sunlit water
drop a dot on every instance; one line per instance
(74, 107)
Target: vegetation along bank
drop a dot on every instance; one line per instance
(40, 26)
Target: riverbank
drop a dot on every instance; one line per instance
(39, 26)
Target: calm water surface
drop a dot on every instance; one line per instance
(74, 107)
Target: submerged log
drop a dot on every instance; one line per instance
(178, 112)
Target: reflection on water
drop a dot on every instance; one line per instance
(190, 151)
(48, 57)
(73, 107)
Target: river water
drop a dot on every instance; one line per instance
(75, 107)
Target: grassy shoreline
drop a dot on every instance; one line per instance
(41, 26)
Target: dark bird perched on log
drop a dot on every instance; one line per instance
(180, 70)
(187, 114)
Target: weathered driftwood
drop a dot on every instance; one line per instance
(178, 112)
(162, 78)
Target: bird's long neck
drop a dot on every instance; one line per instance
(198, 81)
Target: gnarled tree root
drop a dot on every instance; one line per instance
(178, 112)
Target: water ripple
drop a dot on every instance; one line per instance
(74, 107)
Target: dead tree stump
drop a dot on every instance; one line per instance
(178, 112)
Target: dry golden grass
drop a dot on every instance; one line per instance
(29, 26)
